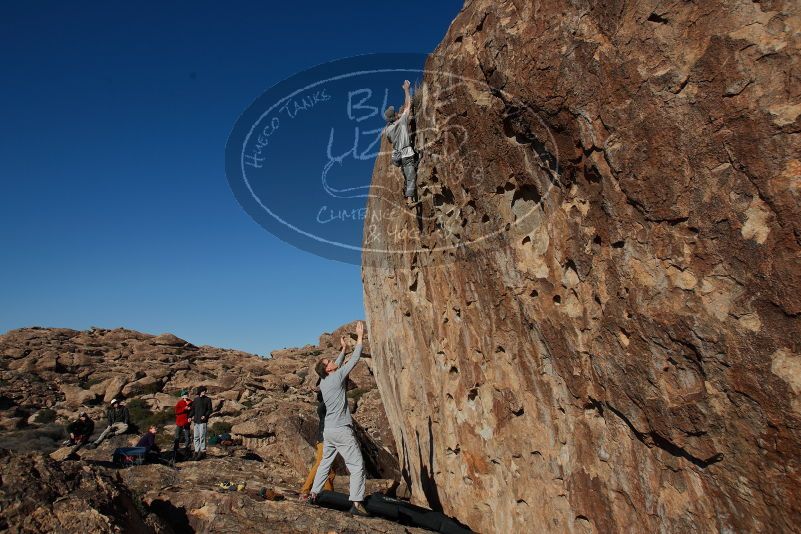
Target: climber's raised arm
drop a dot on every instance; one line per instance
(357, 352)
(407, 103)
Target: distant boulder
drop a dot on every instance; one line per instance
(169, 340)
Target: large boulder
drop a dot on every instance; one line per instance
(75, 396)
(146, 385)
(254, 427)
(162, 401)
(47, 361)
(113, 388)
(168, 340)
(592, 321)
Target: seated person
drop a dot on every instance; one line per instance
(148, 441)
(118, 420)
(80, 430)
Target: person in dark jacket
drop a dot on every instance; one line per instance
(80, 430)
(200, 413)
(182, 423)
(148, 441)
(118, 421)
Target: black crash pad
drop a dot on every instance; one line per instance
(402, 512)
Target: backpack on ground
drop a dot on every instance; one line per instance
(128, 456)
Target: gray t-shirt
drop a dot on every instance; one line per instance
(334, 390)
(398, 135)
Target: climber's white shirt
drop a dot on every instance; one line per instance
(398, 134)
(334, 388)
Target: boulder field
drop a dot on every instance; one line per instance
(48, 375)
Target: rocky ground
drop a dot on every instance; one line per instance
(48, 375)
(39, 494)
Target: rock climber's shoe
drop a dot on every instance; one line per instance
(412, 203)
(358, 510)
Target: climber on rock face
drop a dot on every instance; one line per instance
(338, 435)
(403, 155)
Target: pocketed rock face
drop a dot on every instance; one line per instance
(591, 324)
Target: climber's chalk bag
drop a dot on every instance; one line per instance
(396, 157)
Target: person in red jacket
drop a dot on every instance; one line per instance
(182, 422)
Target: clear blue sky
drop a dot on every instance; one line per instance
(115, 209)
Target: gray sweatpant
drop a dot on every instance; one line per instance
(181, 432)
(200, 437)
(113, 429)
(341, 440)
(410, 173)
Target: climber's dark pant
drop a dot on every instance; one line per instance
(182, 432)
(409, 166)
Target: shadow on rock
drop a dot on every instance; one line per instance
(175, 516)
